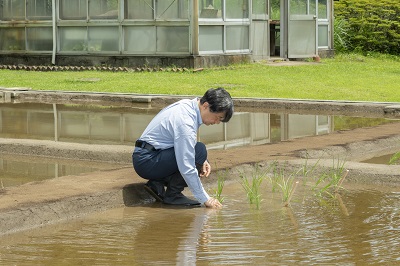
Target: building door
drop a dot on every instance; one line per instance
(301, 29)
(260, 29)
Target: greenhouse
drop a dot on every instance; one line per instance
(186, 33)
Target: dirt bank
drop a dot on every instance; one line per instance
(40, 203)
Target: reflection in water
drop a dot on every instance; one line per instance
(17, 170)
(154, 234)
(123, 125)
(118, 125)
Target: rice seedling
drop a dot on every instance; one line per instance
(319, 191)
(331, 179)
(291, 192)
(274, 178)
(338, 174)
(220, 185)
(340, 182)
(395, 158)
(252, 187)
(306, 171)
(285, 183)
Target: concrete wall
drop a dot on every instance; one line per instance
(126, 61)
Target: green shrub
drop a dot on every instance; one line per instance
(341, 36)
(371, 26)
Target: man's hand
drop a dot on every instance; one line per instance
(213, 203)
(205, 170)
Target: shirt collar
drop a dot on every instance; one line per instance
(199, 120)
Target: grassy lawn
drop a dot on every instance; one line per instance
(345, 77)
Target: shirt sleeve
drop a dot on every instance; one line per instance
(184, 143)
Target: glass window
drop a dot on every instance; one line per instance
(237, 37)
(172, 9)
(260, 7)
(139, 9)
(103, 9)
(323, 35)
(12, 10)
(298, 7)
(211, 38)
(39, 9)
(172, 39)
(322, 9)
(40, 39)
(73, 9)
(312, 8)
(73, 38)
(210, 9)
(103, 39)
(275, 9)
(140, 39)
(12, 39)
(237, 9)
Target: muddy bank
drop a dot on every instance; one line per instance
(68, 197)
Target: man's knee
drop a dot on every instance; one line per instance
(201, 152)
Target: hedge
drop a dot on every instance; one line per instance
(368, 25)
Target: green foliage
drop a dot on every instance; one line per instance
(395, 158)
(220, 186)
(275, 9)
(368, 25)
(286, 182)
(330, 182)
(306, 170)
(341, 36)
(252, 187)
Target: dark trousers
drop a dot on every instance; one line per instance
(161, 165)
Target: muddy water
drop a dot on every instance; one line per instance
(384, 159)
(359, 228)
(92, 124)
(17, 170)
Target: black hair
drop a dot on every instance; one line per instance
(219, 101)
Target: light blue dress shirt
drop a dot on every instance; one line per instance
(176, 126)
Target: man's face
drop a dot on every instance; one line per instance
(208, 117)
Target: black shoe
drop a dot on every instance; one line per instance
(180, 199)
(159, 196)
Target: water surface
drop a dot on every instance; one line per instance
(359, 229)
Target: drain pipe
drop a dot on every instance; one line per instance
(53, 56)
